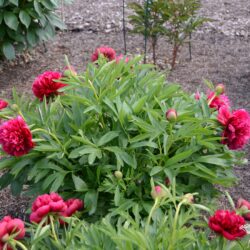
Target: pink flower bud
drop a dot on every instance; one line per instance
(220, 89)
(197, 95)
(171, 115)
(158, 192)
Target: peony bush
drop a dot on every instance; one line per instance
(121, 143)
(103, 134)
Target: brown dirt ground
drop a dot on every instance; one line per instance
(220, 51)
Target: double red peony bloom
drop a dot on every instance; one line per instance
(107, 52)
(3, 104)
(228, 224)
(15, 137)
(236, 127)
(53, 203)
(217, 101)
(8, 227)
(45, 85)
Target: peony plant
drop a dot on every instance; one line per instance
(102, 135)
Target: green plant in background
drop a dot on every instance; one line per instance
(23, 24)
(175, 19)
(148, 21)
(182, 22)
(108, 135)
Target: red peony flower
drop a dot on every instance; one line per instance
(15, 137)
(244, 204)
(44, 85)
(107, 52)
(3, 104)
(8, 227)
(217, 101)
(73, 205)
(236, 127)
(45, 204)
(228, 224)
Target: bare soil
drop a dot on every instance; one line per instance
(220, 53)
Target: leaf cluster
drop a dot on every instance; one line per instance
(23, 24)
(112, 118)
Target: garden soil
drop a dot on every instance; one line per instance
(220, 53)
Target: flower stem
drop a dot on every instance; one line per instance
(53, 228)
(21, 245)
(151, 214)
(171, 247)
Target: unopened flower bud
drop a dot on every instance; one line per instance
(5, 238)
(14, 107)
(158, 192)
(171, 115)
(69, 71)
(220, 89)
(188, 198)
(167, 181)
(118, 174)
(197, 95)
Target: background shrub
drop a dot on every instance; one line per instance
(24, 24)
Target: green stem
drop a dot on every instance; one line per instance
(53, 228)
(171, 247)
(94, 90)
(21, 245)
(151, 214)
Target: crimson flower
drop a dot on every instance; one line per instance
(217, 101)
(244, 204)
(45, 204)
(228, 224)
(8, 227)
(107, 52)
(45, 85)
(15, 137)
(3, 104)
(73, 205)
(236, 127)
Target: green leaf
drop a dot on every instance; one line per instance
(80, 185)
(179, 157)
(15, 2)
(90, 201)
(156, 170)
(32, 38)
(11, 20)
(107, 138)
(117, 196)
(58, 182)
(8, 50)
(1, 3)
(25, 18)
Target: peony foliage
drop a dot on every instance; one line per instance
(104, 135)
